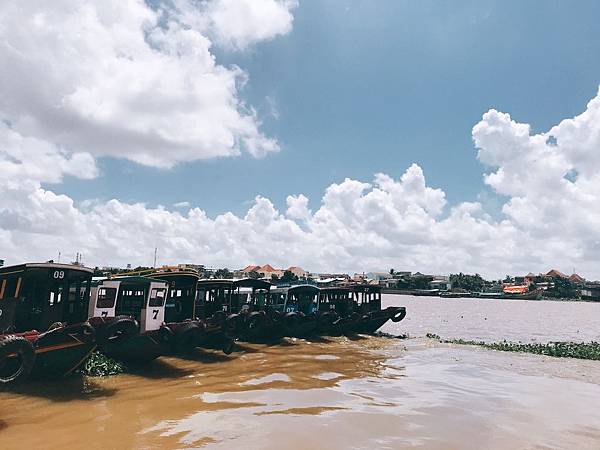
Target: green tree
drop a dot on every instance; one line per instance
(471, 283)
(223, 273)
(288, 277)
(254, 274)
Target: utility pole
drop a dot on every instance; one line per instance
(155, 250)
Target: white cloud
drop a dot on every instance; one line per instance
(82, 80)
(122, 79)
(237, 24)
(403, 223)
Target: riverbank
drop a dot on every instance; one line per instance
(415, 293)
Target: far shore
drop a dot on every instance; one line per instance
(553, 299)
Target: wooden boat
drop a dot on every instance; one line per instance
(366, 301)
(455, 294)
(258, 321)
(334, 313)
(213, 306)
(180, 309)
(117, 303)
(43, 320)
(297, 307)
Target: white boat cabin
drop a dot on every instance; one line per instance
(142, 298)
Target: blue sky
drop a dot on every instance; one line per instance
(375, 86)
(267, 118)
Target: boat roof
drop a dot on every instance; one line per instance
(47, 265)
(215, 282)
(252, 283)
(136, 280)
(364, 287)
(334, 289)
(175, 273)
(296, 289)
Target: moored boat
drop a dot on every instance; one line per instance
(297, 306)
(258, 321)
(43, 320)
(119, 303)
(366, 301)
(334, 315)
(213, 306)
(188, 330)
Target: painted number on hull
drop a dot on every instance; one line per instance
(58, 274)
(155, 314)
(0, 313)
(104, 314)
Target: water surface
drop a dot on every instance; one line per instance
(340, 393)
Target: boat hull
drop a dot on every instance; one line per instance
(370, 323)
(139, 349)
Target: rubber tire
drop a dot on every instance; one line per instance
(219, 318)
(228, 347)
(16, 344)
(125, 326)
(165, 335)
(187, 337)
(254, 320)
(398, 315)
(233, 323)
(292, 320)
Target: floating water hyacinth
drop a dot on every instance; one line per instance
(579, 350)
(99, 365)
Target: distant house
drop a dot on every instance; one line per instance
(377, 275)
(590, 291)
(298, 271)
(268, 271)
(556, 274)
(441, 283)
(577, 279)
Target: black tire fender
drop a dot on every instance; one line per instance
(188, 336)
(165, 334)
(118, 329)
(398, 314)
(255, 319)
(24, 350)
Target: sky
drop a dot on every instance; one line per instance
(334, 135)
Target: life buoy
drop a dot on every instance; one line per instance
(17, 358)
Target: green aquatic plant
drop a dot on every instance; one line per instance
(99, 365)
(578, 350)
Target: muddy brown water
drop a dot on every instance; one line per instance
(339, 393)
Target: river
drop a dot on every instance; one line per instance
(340, 393)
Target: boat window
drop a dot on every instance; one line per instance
(106, 297)
(157, 297)
(18, 288)
(55, 296)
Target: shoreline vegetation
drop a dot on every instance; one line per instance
(417, 293)
(576, 350)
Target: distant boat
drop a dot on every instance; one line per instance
(456, 294)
